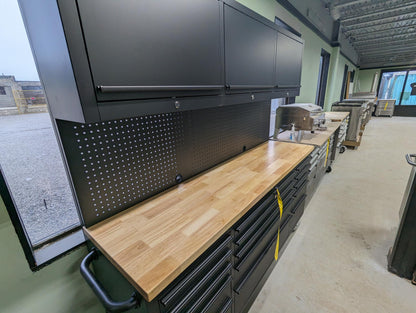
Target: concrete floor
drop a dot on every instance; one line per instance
(336, 260)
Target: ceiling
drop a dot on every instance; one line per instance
(383, 32)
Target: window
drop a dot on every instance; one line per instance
(391, 85)
(282, 24)
(2, 90)
(398, 85)
(34, 183)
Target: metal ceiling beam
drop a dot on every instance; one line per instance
(384, 51)
(399, 42)
(384, 37)
(373, 8)
(408, 59)
(382, 10)
(347, 3)
(359, 24)
(392, 30)
(353, 27)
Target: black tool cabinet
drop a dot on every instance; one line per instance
(228, 276)
(104, 59)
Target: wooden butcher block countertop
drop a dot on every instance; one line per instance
(152, 242)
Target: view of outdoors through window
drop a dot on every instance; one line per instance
(29, 153)
(391, 87)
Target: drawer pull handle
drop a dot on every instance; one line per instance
(255, 213)
(173, 293)
(298, 204)
(255, 236)
(241, 261)
(215, 297)
(186, 298)
(226, 306)
(259, 221)
(250, 272)
(111, 89)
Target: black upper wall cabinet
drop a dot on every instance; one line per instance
(107, 59)
(145, 49)
(250, 52)
(288, 62)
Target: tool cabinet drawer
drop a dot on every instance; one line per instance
(249, 245)
(253, 214)
(198, 276)
(246, 261)
(289, 192)
(242, 239)
(304, 165)
(301, 180)
(215, 299)
(205, 291)
(285, 183)
(247, 283)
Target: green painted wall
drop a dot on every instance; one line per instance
(365, 80)
(336, 77)
(58, 288)
(311, 54)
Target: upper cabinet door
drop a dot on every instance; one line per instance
(250, 49)
(288, 62)
(147, 48)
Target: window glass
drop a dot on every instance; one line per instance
(391, 85)
(30, 156)
(409, 94)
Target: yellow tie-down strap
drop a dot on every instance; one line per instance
(385, 107)
(280, 202)
(327, 152)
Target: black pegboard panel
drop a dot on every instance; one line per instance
(116, 164)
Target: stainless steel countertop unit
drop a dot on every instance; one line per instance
(305, 116)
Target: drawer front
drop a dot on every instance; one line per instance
(242, 239)
(244, 287)
(214, 299)
(198, 275)
(245, 263)
(284, 184)
(272, 221)
(251, 216)
(205, 291)
(285, 229)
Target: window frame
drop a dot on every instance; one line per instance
(399, 69)
(39, 256)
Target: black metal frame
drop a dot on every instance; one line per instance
(344, 80)
(109, 304)
(323, 79)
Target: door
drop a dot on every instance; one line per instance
(322, 78)
(146, 49)
(250, 49)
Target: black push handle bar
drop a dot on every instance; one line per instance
(409, 159)
(109, 304)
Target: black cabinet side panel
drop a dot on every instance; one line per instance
(44, 29)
